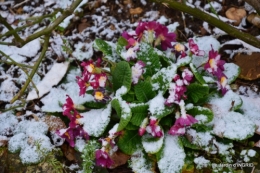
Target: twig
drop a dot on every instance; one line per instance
(20, 42)
(212, 20)
(38, 62)
(38, 20)
(17, 5)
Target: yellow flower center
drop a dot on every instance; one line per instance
(90, 68)
(179, 47)
(212, 63)
(223, 80)
(99, 95)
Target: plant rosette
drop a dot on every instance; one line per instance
(164, 103)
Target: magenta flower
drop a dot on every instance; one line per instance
(143, 126)
(187, 76)
(70, 134)
(74, 121)
(214, 64)
(185, 119)
(177, 130)
(177, 92)
(194, 48)
(69, 109)
(137, 71)
(141, 27)
(164, 37)
(222, 84)
(103, 159)
(180, 50)
(153, 128)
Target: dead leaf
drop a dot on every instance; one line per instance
(135, 11)
(119, 158)
(68, 152)
(54, 123)
(254, 19)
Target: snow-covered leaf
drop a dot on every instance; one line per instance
(152, 144)
(234, 126)
(140, 163)
(201, 111)
(183, 61)
(162, 79)
(95, 121)
(53, 77)
(172, 155)
(232, 71)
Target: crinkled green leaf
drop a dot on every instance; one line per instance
(122, 76)
(197, 74)
(139, 112)
(162, 79)
(94, 105)
(186, 143)
(197, 91)
(150, 57)
(129, 141)
(103, 47)
(152, 144)
(198, 110)
(232, 71)
(144, 91)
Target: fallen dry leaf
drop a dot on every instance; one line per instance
(119, 158)
(135, 11)
(54, 123)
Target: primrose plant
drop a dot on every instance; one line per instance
(166, 104)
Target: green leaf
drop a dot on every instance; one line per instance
(144, 91)
(196, 74)
(232, 71)
(122, 42)
(131, 126)
(172, 155)
(138, 114)
(103, 47)
(198, 110)
(94, 105)
(122, 76)
(141, 162)
(162, 79)
(186, 143)
(123, 111)
(197, 91)
(150, 57)
(129, 141)
(152, 144)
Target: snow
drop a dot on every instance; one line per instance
(201, 162)
(8, 122)
(151, 146)
(53, 77)
(156, 105)
(139, 163)
(201, 139)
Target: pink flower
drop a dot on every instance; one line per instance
(137, 71)
(103, 159)
(187, 76)
(69, 109)
(83, 84)
(185, 119)
(153, 128)
(177, 130)
(195, 49)
(70, 134)
(143, 126)
(214, 64)
(177, 92)
(164, 37)
(222, 84)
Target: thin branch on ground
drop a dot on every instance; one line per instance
(38, 62)
(248, 38)
(20, 42)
